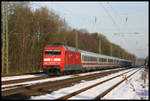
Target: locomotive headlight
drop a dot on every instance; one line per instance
(45, 62)
(57, 59)
(46, 59)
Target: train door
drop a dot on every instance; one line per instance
(66, 57)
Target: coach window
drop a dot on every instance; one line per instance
(113, 61)
(94, 59)
(110, 60)
(104, 60)
(120, 62)
(100, 59)
(91, 58)
(117, 61)
(85, 58)
(88, 58)
(82, 57)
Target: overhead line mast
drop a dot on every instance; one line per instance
(7, 65)
(3, 34)
(5, 38)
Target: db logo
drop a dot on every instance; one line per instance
(77, 56)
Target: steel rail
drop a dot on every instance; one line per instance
(111, 88)
(86, 88)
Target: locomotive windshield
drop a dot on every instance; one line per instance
(52, 52)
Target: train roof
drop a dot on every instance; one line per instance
(55, 45)
(62, 45)
(85, 52)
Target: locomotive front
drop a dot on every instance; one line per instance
(53, 59)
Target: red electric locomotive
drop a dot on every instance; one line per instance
(60, 58)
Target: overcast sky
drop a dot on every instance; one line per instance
(118, 21)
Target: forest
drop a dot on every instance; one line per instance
(29, 31)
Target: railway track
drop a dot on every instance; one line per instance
(8, 75)
(18, 78)
(43, 88)
(98, 97)
(23, 80)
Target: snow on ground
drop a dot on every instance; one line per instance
(83, 84)
(38, 81)
(93, 92)
(21, 77)
(46, 80)
(131, 88)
